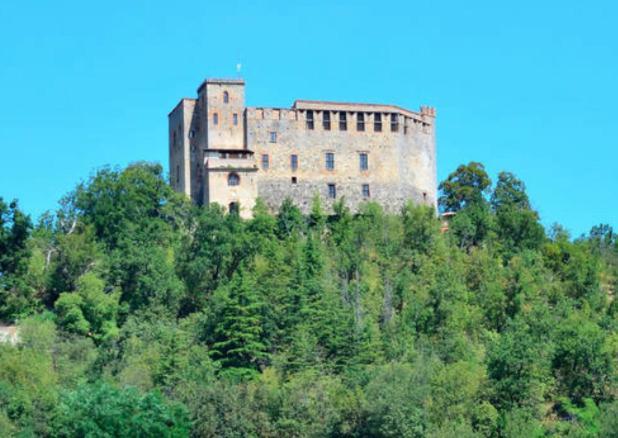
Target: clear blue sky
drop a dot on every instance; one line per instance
(529, 86)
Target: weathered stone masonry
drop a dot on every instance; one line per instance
(221, 151)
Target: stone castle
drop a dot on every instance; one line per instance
(222, 151)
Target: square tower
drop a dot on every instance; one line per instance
(229, 170)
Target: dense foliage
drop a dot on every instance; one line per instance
(142, 315)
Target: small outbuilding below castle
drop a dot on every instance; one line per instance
(222, 151)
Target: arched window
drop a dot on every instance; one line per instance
(226, 97)
(233, 179)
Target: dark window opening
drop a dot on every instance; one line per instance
(177, 174)
(424, 196)
(226, 97)
(174, 138)
(273, 137)
(294, 180)
(265, 162)
(309, 119)
(233, 179)
(364, 161)
(332, 191)
(234, 208)
(394, 123)
(326, 120)
(343, 121)
(360, 122)
(330, 160)
(294, 162)
(215, 119)
(192, 133)
(235, 119)
(377, 122)
(366, 193)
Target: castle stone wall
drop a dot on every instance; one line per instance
(401, 156)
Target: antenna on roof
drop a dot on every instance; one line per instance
(238, 67)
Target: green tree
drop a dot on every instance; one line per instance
(102, 410)
(238, 334)
(467, 185)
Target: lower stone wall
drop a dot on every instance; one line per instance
(390, 196)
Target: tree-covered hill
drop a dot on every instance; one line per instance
(142, 315)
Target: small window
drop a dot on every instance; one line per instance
(377, 122)
(294, 180)
(294, 162)
(235, 119)
(265, 162)
(366, 193)
(233, 179)
(394, 123)
(332, 191)
(343, 121)
(174, 138)
(273, 137)
(192, 133)
(360, 122)
(177, 174)
(234, 208)
(424, 196)
(215, 119)
(309, 119)
(330, 161)
(364, 161)
(326, 120)
(226, 97)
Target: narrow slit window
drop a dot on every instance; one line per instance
(330, 160)
(235, 119)
(265, 162)
(310, 119)
(226, 97)
(394, 123)
(365, 190)
(215, 119)
(343, 121)
(273, 137)
(377, 122)
(332, 191)
(326, 120)
(360, 122)
(364, 161)
(294, 162)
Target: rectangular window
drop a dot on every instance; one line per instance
(215, 119)
(326, 120)
(394, 123)
(364, 161)
(343, 121)
(309, 119)
(332, 191)
(294, 162)
(273, 137)
(177, 174)
(366, 193)
(235, 119)
(377, 122)
(294, 180)
(330, 160)
(265, 162)
(360, 122)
